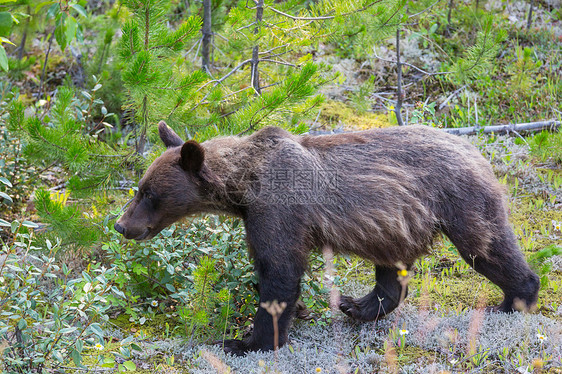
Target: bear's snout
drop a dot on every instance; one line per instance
(120, 229)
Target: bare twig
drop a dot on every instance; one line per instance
(322, 18)
(442, 105)
(423, 11)
(219, 81)
(45, 63)
(408, 64)
(193, 46)
(279, 62)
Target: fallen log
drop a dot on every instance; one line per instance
(515, 128)
(551, 125)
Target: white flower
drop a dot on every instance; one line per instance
(403, 332)
(557, 225)
(542, 338)
(154, 303)
(453, 361)
(98, 346)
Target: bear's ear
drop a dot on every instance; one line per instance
(168, 136)
(192, 156)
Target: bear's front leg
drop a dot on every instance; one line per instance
(280, 261)
(283, 286)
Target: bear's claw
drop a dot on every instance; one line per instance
(349, 307)
(233, 346)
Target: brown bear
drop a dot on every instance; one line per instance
(382, 194)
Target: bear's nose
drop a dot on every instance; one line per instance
(120, 229)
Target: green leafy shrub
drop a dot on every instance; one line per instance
(204, 272)
(49, 318)
(198, 268)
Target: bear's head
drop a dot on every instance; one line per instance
(169, 190)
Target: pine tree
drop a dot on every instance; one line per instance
(68, 137)
(157, 84)
(271, 79)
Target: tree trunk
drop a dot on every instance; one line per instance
(207, 35)
(399, 93)
(21, 48)
(255, 51)
(448, 31)
(42, 81)
(530, 16)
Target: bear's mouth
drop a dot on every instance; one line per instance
(146, 235)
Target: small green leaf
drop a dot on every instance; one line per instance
(108, 362)
(170, 287)
(57, 356)
(60, 30)
(4, 40)
(5, 196)
(41, 5)
(30, 224)
(79, 345)
(6, 23)
(70, 29)
(5, 181)
(4, 223)
(76, 358)
(96, 329)
(67, 330)
(3, 59)
(170, 269)
(130, 365)
(80, 9)
(15, 225)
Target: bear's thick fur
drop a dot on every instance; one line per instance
(382, 194)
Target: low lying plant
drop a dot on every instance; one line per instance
(49, 319)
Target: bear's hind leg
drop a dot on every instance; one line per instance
(503, 264)
(384, 298)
